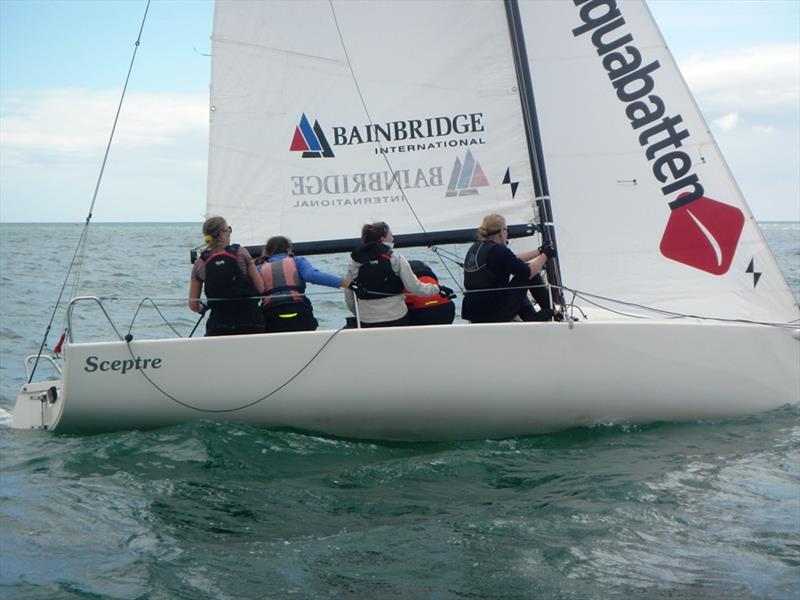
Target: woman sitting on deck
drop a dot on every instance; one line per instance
(380, 276)
(285, 305)
(490, 266)
(231, 281)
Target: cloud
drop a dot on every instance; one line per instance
(751, 97)
(728, 121)
(70, 124)
(52, 143)
(760, 80)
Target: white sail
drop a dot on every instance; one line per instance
(307, 127)
(624, 139)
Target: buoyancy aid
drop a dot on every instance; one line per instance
(224, 277)
(282, 282)
(477, 275)
(376, 278)
(230, 294)
(426, 275)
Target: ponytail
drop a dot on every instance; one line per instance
(492, 224)
(374, 232)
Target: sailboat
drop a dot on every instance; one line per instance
(570, 118)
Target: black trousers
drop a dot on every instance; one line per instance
(515, 302)
(397, 323)
(234, 317)
(441, 314)
(297, 316)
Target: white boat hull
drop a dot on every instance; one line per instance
(429, 383)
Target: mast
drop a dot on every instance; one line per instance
(532, 134)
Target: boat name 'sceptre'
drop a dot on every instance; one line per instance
(93, 363)
(634, 84)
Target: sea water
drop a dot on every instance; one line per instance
(210, 510)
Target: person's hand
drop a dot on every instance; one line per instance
(549, 250)
(202, 308)
(346, 283)
(446, 292)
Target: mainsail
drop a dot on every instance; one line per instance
(328, 115)
(644, 204)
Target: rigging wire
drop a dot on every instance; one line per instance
(243, 406)
(595, 300)
(380, 146)
(667, 313)
(160, 314)
(80, 251)
(451, 256)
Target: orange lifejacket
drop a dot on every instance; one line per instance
(425, 275)
(282, 282)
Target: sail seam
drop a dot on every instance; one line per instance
(274, 50)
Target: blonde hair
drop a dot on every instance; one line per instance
(491, 224)
(213, 228)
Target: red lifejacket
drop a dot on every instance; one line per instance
(282, 282)
(425, 275)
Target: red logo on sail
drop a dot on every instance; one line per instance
(311, 141)
(702, 233)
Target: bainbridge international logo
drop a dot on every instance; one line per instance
(310, 141)
(466, 177)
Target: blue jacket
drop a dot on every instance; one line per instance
(308, 273)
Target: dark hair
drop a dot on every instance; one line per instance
(276, 245)
(374, 232)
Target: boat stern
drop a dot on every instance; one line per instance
(38, 405)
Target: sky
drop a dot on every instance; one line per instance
(63, 64)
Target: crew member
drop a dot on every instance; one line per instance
(491, 268)
(380, 276)
(285, 305)
(231, 281)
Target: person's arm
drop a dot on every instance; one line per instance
(349, 296)
(410, 281)
(311, 275)
(195, 289)
(255, 277)
(252, 272)
(528, 255)
(503, 261)
(537, 263)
